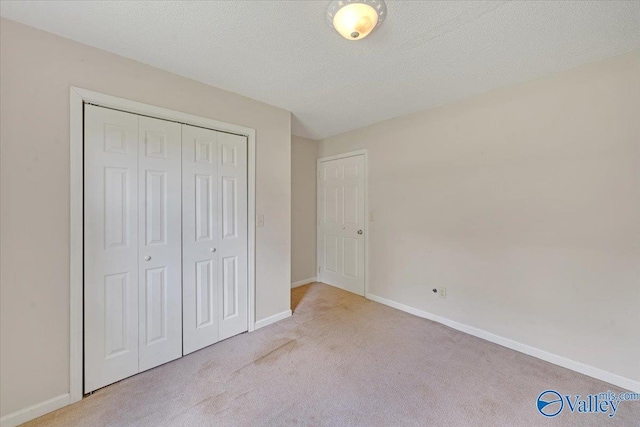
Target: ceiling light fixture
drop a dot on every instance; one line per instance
(355, 19)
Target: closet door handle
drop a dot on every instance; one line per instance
(147, 258)
(212, 249)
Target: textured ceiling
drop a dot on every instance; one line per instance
(283, 53)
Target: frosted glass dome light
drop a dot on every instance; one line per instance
(355, 19)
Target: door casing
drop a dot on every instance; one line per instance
(78, 97)
(320, 160)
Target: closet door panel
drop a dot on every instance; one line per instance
(110, 246)
(199, 237)
(165, 242)
(232, 245)
(160, 255)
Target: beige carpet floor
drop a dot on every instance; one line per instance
(342, 360)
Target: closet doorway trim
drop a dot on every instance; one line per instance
(79, 97)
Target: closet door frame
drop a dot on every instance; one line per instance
(79, 97)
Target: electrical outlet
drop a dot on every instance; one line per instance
(442, 293)
(260, 220)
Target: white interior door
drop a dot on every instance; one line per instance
(214, 169)
(160, 242)
(110, 246)
(341, 216)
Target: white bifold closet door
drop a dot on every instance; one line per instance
(165, 242)
(214, 236)
(132, 251)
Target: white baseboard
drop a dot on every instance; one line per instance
(303, 282)
(34, 411)
(582, 368)
(272, 319)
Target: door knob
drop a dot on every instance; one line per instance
(212, 249)
(359, 231)
(147, 258)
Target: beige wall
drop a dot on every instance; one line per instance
(525, 204)
(304, 154)
(36, 72)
